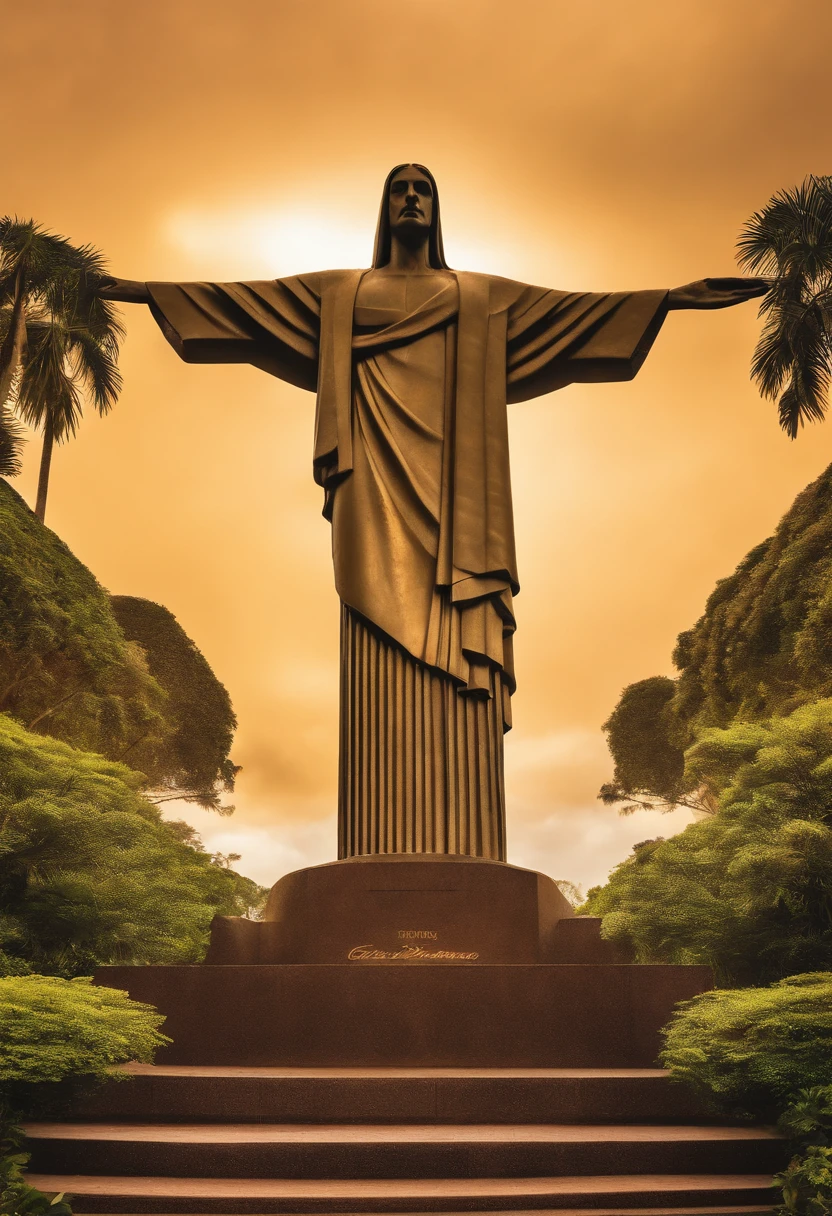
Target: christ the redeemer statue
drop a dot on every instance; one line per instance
(413, 365)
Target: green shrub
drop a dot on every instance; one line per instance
(808, 1118)
(747, 1050)
(748, 890)
(90, 872)
(17, 1198)
(53, 1029)
(807, 1184)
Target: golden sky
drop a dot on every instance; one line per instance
(600, 145)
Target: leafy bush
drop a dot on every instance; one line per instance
(808, 1117)
(807, 1184)
(17, 1198)
(747, 890)
(745, 1051)
(90, 872)
(53, 1029)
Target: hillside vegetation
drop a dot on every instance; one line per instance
(762, 647)
(743, 736)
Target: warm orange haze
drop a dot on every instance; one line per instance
(599, 148)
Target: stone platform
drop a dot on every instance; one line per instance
(416, 961)
(360, 1014)
(407, 1034)
(214, 1140)
(425, 908)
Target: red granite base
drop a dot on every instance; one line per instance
(395, 1014)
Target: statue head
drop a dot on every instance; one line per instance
(410, 209)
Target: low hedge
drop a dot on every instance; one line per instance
(748, 1051)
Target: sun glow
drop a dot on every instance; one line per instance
(260, 242)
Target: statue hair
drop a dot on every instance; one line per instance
(436, 251)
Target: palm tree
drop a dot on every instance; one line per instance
(59, 339)
(790, 240)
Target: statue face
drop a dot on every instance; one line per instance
(410, 202)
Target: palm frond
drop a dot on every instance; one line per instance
(771, 364)
(11, 442)
(791, 240)
(793, 230)
(73, 335)
(48, 394)
(94, 365)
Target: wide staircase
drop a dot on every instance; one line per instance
(613, 1142)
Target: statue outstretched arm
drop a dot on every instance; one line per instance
(717, 293)
(273, 324)
(124, 291)
(557, 338)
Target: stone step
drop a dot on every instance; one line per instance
(368, 1151)
(160, 1093)
(656, 1193)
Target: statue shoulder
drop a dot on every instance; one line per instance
(321, 281)
(502, 293)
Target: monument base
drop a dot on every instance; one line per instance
(413, 961)
(425, 908)
(426, 1016)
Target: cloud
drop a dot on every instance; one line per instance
(266, 854)
(583, 843)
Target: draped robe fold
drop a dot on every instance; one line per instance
(411, 449)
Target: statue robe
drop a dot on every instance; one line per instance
(411, 449)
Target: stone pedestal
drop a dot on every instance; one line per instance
(413, 961)
(415, 909)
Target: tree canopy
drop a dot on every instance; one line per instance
(747, 890)
(648, 764)
(194, 762)
(90, 872)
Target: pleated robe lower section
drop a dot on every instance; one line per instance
(421, 764)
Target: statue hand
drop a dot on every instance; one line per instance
(718, 293)
(126, 291)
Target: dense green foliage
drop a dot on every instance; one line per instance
(17, 1198)
(790, 241)
(54, 1033)
(808, 1117)
(807, 1184)
(90, 872)
(53, 1029)
(807, 1180)
(764, 643)
(747, 1050)
(115, 675)
(66, 668)
(194, 763)
(648, 764)
(749, 889)
(762, 647)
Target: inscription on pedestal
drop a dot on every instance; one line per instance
(407, 954)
